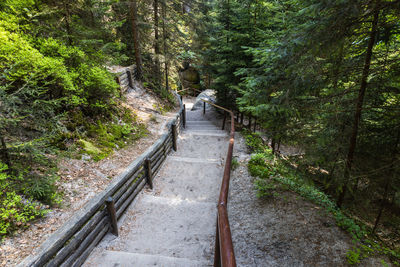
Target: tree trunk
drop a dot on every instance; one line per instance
(68, 22)
(156, 43)
(360, 100)
(164, 17)
(273, 145)
(4, 152)
(136, 41)
(388, 180)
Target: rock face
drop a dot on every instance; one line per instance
(209, 95)
(190, 79)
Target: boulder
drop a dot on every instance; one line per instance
(191, 75)
(208, 95)
(190, 79)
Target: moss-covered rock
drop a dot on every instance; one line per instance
(90, 149)
(191, 75)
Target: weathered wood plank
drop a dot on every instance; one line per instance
(131, 197)
(123, 188)
(77, 239)
(87, 241)
(129, 191)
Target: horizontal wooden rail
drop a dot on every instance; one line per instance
(72, 243)
(224, 253)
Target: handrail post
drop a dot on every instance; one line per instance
(204, 108)
(149, 173)
(217, 252)
(241, 118)
(223, 123)
(113, 215)
(174, 137)
(184, 116)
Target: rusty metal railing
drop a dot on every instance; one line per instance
(224, 254)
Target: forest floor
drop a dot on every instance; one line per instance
(283, 229)
(80, 180)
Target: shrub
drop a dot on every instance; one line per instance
(15, 211)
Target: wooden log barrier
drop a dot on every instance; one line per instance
(149, 175)
(174, 137)
(113, 216)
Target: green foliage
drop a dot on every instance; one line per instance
(108, 136)
(275, 61)
(271, 172)
(15, 210)
(235, 164)
(254, 141)
(353, 256)
(55, 94)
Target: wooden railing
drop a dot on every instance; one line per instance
(224, 254)
(72, 243)
(125, 78)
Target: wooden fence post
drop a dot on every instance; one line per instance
(149, 173)
(174, 137)
(184, 116)
(223, 123)
(217, 253)
(255, 125)
(119, 83)
(129, 75)
(113, 215)
(241, 118)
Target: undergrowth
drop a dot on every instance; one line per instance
(15, 210)
(28, 189)
(275, 173)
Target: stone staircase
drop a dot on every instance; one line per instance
(174, 224)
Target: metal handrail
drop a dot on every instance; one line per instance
(224, 253)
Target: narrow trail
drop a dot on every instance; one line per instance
(174, 224)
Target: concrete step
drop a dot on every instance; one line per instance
(202, 128)
(183, 229)
(210, 133)
(215, 130)
(195, 116)
(190, 179)
(206, 133)
(127, 259)
(208, 145)
(200, 123)
(174, 223)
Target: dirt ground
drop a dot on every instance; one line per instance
(284, 229)
(80, 180)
